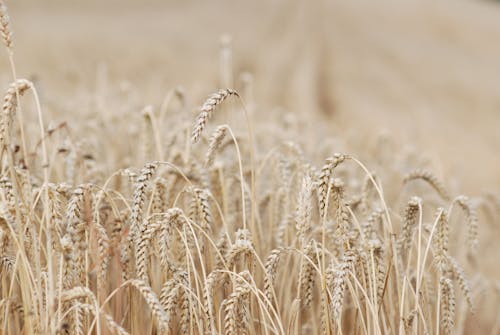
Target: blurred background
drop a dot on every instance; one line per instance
(425, 72)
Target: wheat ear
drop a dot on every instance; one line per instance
(5, 26)
(214, 145)
(447, 305)
(470, 212)
(207, 109)
(324, 183)
(430, 178)
(17, 88)
(154, 304)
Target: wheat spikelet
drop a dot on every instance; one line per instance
(339, 284)
(304, 209)
(222, 245)
(79, 314)
(7, 221)
(175, 294)
(173, 220)
(76, 230)
(154, 304)
(67, 270)
(343, 224)
(207, 110)
(113, 326)
(366, 187)
(329, 276)
(165, 223)
(408, 321)
(271, 265)
(463, 282)
(103, 251)
(241, 248)
(381, 280)
(8, 193)
(409, 221)
(200, 209)
(282, 229)
(369, 227)
(69, 299)
(306, 276)
(140, 196)
(149, 227)
(77, 292)
(5, 26)
(430, 178)
(343, 217)
(447, 305)
(161, 195)
(116, 232)
(136, 216)
(208, 297)
(324, 182)
(4, 240)
(471, 215)
(168, 294)
(236, 305)
(19, 87)
(214, 145)
(185, 319)
(55, 206)
(7, 264)
(441, 241)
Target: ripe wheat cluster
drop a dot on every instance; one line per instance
(210, 230)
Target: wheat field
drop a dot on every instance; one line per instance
(249, 168)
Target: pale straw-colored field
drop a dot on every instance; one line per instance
(257, 167)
